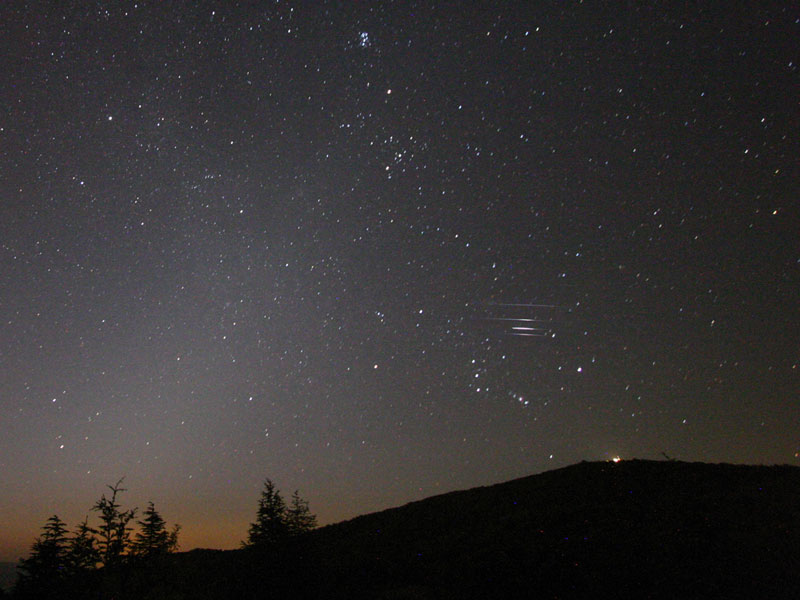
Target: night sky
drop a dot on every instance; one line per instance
(380, 251)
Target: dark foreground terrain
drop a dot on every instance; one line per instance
(634, 529)
(8, 574)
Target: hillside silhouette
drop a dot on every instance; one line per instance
(633, 529)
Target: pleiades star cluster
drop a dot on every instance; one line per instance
(377, 251)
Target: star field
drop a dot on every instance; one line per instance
(379, 251)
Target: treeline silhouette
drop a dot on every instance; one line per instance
(112, 559)
(633, 529)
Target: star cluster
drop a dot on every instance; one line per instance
(378, 251)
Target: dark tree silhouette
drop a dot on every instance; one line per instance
(41, 573)
(114, 533)
(60, 565)
(82, 552)
(270, 527)
(154, 539)
(275, 522)
(299, 518)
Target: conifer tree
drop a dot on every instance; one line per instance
(114, 533)
(82, 553)
(299, 518)
(41, 573)
(270, 527)
(154, 539)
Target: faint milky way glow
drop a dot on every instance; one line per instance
(377, 253)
